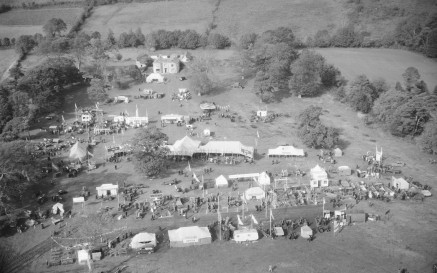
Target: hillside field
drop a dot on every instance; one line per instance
(385, 63)
(29, 22)
(7, 57)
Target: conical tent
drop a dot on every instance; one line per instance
(221, 181)
(77, 152)
(264, 179)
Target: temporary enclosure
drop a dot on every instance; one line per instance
(400, 183)
(221, 182)
(245, 235)
(264, 179)
(338, 152)
(319, 177)
(184, 147)
(189, 236)
(254, 193)
(78, 151)
(172, 118)
(58, 208)
(426, 193)
(286, 151)
(227, 148)
(306, 231)
(344, 170)
(261, 113)
(107, 190)
(83, 256)
(279, 231)
(155, 77)
(143, 240)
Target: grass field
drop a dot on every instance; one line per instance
(389, 64)
(7, 57)
(18, 3)
(169, 15)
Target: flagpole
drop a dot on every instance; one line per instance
(270, 222)
(219, 218)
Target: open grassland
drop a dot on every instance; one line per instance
(7, 57)
(39, 16)
(305, 17)
(19, 3)
(169, 15)
(386, 63)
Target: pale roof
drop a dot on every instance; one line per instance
(224, 147)
(184, 233)
(107, 187)
(221, 180)
(318, 172)
(264, 179)
(143, 239)
(171, 116)
(77, 151)
(185, 146)
(286, 150)
(257, 191)
(246, 175)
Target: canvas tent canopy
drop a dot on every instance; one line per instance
(221, 182)
(319, 177)
(254, 193)
(207, 106)
(286, 151)
(142, 240)
(244, 176)
(338, 152)
(400, 183)
(306, 231)
(245, 235)
(155, 77)
(344, 170)
(188, 236)
(184, 147)
(107, 190)
(83, 256)
(171, 118)
(78, 151)
(227, 147)
(279, 231)
(264, 179)
(58, 208)
(426, 193)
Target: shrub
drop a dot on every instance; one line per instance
(218, 41)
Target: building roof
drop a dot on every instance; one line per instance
(224, 147)
(318, 172)
(264, 179)
(185, 146)
(221, 180)
(143, 239)
(77, 151)
(107, 187)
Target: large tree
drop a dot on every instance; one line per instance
(428, 139)
(200, 83)
(54, 27)
(80, 46)
(97, 91)
(149, 152)
(306, 79)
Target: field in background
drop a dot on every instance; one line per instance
(169, 15)
(305, 17)
(18, 3)
(386, 63)
(29, 22)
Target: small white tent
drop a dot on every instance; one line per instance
(107, 190)
(306, 231)
(188, 236)
(83, 256)
(77, 151)
(244, 235)
(254, 193)
(221, 181)
(155, 77)
(264, 179)
(319, 177)
(143, 240)
(58, 208)
(400, 183)
(338, 152)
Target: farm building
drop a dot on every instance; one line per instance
(399, 183)
(245, 235)
(143, 240)
(107, 190)
(189, 236)
(221, 182)
(286, 151)
(254, 193)
(155, 77)
(166, 65)
(319, 177)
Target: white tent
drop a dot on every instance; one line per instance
(426, 193)
(107, 190)
(188, 236)
(254, 193)
(306, 231)
(58, 207)
(221, 181)
(155, 77)
(83, 256)
(207, 132)
(142, 240)
(338, 152)
(319, 177)
(286, 151)
(244, 235)
(77, 151)
(400, 183)
(184, 147)
(264, 179)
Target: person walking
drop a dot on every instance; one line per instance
(270, 268)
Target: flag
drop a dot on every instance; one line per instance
(97, 105)
(195, 178)
(136, 110)
(189, 167)
(254, 220)
(271, 215)
(113, 139)
(257, 133)
(324, 202)
(90, 154)
(55, 167)
(63, 120)
(240, 223)
(336, 227)
(75, 106)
